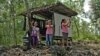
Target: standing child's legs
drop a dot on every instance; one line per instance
(65, 39)
(35, 41)
(47, 39)
(50, 39)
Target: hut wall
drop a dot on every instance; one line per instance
(58, 18)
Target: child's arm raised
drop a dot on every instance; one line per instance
(47, 26)
(51, 26)
(67, 23)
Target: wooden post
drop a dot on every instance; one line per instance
(24, 27)
(53, 21)
(29, 21)
(29, 29)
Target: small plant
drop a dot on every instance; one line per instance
(57, 51)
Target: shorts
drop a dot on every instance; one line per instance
(65, 35)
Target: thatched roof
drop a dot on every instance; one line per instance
(48, 10)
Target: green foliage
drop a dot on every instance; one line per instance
(81, 31)
(96, 8)
(96, 12)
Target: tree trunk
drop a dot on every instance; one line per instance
(27, 19)
(77, 28)
(12, 13)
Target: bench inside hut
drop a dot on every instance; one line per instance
(56, 12)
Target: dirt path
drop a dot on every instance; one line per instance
(78, 49)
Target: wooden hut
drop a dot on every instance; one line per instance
(55, 12)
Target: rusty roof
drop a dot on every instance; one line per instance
(48, 10)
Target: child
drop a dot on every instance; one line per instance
(35, 34)
(64, 27)
(49, 33)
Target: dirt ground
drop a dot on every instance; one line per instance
(79, 48)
